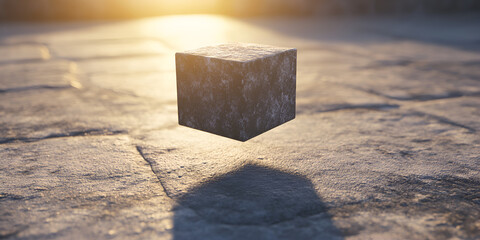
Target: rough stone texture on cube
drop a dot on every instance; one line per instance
(236, 90)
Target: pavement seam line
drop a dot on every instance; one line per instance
(140, 151)
(377, 107)
(14, 233)
(420, 98)
(83, 133)
(444, 120)
(36, 87)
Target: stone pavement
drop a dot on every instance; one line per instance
(385, 144)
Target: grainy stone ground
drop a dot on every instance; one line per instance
(385, 145)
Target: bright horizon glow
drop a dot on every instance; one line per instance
(192, 31)
(189, 5)
(153, 7)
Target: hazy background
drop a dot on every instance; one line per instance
(107, 9)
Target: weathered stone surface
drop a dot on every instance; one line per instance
(385, 144)
(365, 175)
(37, 75)
(155, 85)
(236, 90)
(81, 187)
(127, 65)
(466, 111)
(73, 112)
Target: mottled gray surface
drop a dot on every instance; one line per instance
(385, 143)
(236, 90)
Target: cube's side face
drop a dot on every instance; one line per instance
(269, 92)
(208, 94)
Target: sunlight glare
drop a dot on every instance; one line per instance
(192, 31)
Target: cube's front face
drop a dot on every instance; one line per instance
(208, 95)
(238, 99)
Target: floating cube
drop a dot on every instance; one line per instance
(236, 90)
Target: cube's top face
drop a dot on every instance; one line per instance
(239, 52)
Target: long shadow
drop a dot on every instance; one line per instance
(254, 202)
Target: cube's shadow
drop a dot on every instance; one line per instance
(254, 202)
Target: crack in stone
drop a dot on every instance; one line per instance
(37, 87)
(387, 63)
(23, 61)
(424, 66)
(444, 120)
(421, 98)
(14, 197)
(140, 151)
(453, 199)
(13, 233)
(352, 107)
(471, 45)
(87, 132)
(458, 75)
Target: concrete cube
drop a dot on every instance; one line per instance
(236, 90)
